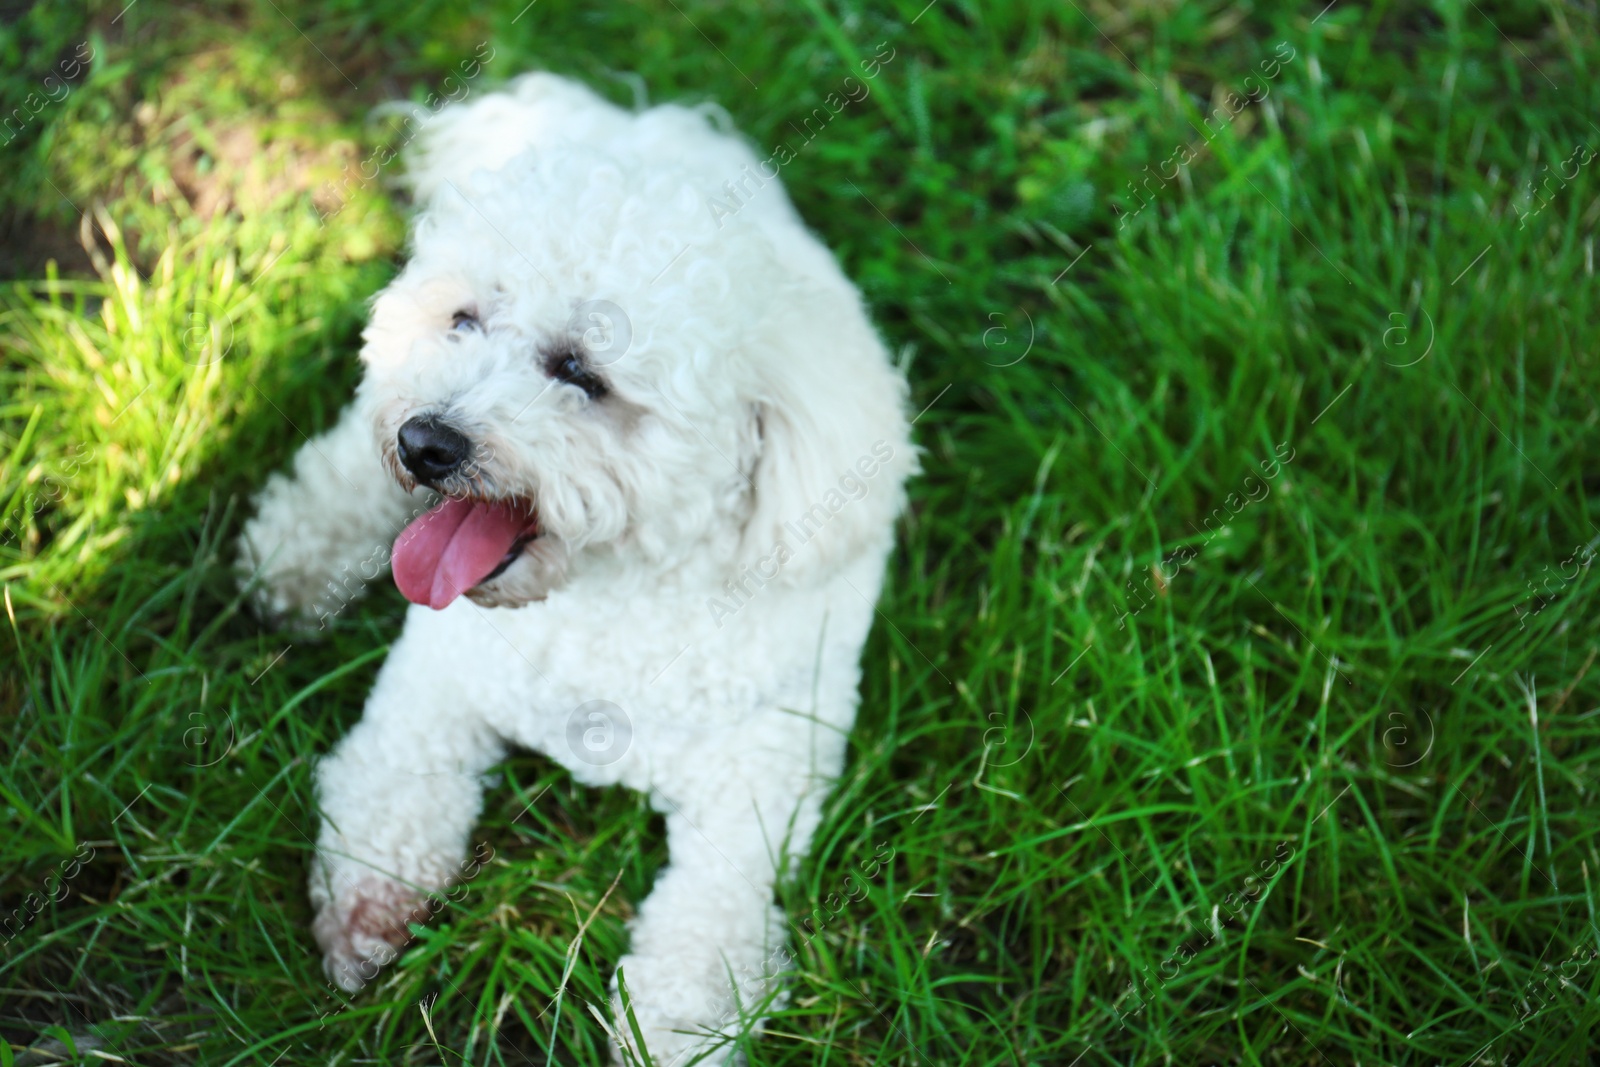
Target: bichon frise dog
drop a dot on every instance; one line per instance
(662, 451)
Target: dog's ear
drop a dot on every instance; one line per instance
(831, 443)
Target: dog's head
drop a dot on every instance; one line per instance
(594, 374)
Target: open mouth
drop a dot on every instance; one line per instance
(461, 543)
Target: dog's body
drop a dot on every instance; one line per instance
(690, 444)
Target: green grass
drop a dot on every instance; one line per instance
(1339, 687)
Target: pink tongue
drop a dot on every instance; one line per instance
(454, 547)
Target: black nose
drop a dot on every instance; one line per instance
(430, 449)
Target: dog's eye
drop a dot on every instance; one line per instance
(465, 320)
(567, 366)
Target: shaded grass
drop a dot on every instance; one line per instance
(1349, 693)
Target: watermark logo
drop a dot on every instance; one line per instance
(1398, 336)
(1399, 750)
(998, 337)
(199, 736)
(605, 330)
(207, 334)
(599, 733)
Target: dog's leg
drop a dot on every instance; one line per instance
(320, 535)
(709, 943)
(398, 797)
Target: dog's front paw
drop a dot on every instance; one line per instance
(362, 925)
(265, 593)
(685, 1009)
(265, 561)
(287, 563)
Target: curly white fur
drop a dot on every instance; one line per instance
(713, 530)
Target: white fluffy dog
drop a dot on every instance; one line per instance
(662, 450)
